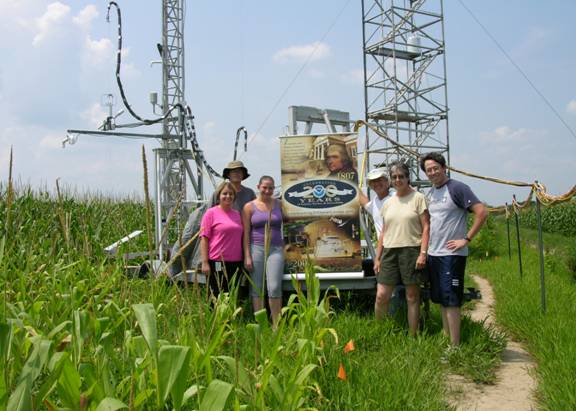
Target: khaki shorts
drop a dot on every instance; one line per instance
(398, 266)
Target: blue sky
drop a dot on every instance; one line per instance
(58, 59)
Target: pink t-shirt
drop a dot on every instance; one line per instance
(223, 229)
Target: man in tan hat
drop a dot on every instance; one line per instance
(378, 182)
(235, 172)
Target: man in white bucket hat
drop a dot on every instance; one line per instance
(378, 182)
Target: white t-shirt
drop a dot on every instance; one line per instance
(448, 206)
(373, 207)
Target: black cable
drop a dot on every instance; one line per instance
(189, 130)
(118, 79)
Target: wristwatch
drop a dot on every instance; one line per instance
(468, 239)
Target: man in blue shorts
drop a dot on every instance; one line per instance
(449, 201)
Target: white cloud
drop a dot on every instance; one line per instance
(571, 107)
(97, 52)
(208, 126)
(313, 52)
(317, 74)
(513, 154)
(84, 18)
(50, 22)
(508, 135)
(51, 141)
(355, 76)
(95, 115)
(535, 40)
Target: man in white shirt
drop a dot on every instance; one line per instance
(378, 182)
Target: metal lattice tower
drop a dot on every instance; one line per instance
(171, 158)
(172, 63)
(405, 79)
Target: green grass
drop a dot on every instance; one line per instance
(549, 337)
(76, 333)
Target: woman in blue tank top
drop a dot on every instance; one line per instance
(264, 247)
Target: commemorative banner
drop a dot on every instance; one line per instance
(320, 202)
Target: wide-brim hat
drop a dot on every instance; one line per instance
(377, 173)
(234, 165)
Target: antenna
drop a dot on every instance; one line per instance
(179, 147)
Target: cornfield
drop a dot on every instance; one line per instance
(559, 219)
(76, 333)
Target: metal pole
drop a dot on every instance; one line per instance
(541, 256)
(508, 233)
(518, 238)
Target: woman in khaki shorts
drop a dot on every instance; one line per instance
(402, 245)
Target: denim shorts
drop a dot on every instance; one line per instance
(274, 271)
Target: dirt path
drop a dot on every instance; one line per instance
(514, 386)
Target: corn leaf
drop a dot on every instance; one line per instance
(69, 385)
(21, 398)
(173, 364)
(36, 361)
(80, 332)
(5, 345)
(236, 367)
(216, 396)
(111, 404)
(190, 392)
(146, 316)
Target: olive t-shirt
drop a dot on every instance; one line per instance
(402, 226)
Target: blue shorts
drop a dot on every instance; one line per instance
(447, 279)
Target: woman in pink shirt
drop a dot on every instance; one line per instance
(221, 240)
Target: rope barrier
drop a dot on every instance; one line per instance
(536, 188)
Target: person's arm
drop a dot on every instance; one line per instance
(480, 215)
(204, 254)
(205, 233)
(246, 218)
(379, 248)
(425, 221)
(363, 199)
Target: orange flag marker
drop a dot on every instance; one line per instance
(349, 347)
(342, 373)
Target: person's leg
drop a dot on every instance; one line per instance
(453, 320)
(213, 280)
(274, 274)
(411, 277)
(455, 296)
(382, 303)
(257, 304)
(275, 310)
(387, 279)
(439, 271)
(232, 269)
(445, 326)
(413, 302)
(256, 285)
